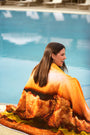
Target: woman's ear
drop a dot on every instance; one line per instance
(53, 56)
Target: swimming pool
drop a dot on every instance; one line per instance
(23, 37)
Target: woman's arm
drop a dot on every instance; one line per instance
(71, 90)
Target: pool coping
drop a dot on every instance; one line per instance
(47, 9)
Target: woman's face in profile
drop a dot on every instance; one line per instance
(59, 58)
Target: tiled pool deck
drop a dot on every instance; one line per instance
(8, 131)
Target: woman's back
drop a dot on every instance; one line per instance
(55, 78)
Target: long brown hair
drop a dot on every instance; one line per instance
(42, 69)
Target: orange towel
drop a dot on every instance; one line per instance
(65, 86)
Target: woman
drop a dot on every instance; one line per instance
(52, 95)
(48, 78)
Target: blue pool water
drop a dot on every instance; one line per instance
(23, 37)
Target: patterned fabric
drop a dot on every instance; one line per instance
(31, 106)
(55, 112)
